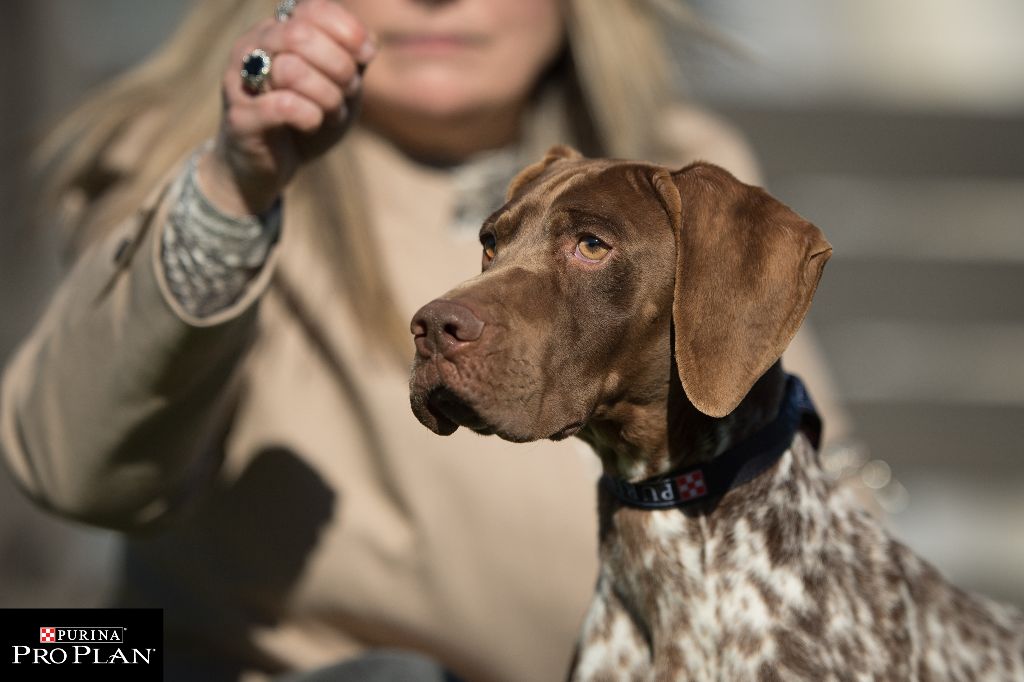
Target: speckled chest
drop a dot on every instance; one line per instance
(783, 578)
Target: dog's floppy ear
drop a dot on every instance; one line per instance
(746, 270)
(533, 171)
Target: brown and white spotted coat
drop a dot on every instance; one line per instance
(786, 578)
(645, 311)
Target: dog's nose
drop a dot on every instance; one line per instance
(445, 327)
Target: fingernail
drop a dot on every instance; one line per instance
(353, 85)
(368, 49)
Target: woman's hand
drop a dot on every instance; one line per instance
(314, 83)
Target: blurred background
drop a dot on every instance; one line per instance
(897, 127)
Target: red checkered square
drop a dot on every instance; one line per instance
(691, 485)
(47, 635)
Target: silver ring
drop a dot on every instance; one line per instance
(255, 70)
(284, 9)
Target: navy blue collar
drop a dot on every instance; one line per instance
(734, 467)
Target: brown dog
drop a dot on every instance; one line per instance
(645, 311)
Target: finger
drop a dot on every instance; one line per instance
(292, 72)
(312, 44)
(275, 109)
(232, 84)
(250, 39)
(341, 25)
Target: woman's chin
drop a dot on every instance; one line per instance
(444, 100)
(443, 126)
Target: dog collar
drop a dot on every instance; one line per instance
(734, 467)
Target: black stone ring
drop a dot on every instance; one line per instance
(255, 70)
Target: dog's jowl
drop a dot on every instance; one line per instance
(645, 311)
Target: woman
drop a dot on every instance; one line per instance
(222, 374)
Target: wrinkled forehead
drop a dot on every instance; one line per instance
(617, 189)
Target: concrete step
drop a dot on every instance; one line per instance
(842, 139)
(973, 219)
(919, 291)
(980, 445)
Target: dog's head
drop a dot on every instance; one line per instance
(588, 269)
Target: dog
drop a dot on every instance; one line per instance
(645, 311)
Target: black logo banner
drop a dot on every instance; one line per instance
(74, 644)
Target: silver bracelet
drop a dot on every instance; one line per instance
(209, 257)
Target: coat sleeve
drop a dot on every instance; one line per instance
(108, 410)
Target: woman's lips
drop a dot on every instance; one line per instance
(431, 43)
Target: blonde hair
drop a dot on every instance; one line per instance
(617, 72)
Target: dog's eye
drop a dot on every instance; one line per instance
(490, 246)
(592, 248)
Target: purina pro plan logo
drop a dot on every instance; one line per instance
(97, 645)
(72, 639)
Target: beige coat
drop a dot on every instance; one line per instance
(278, 497)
